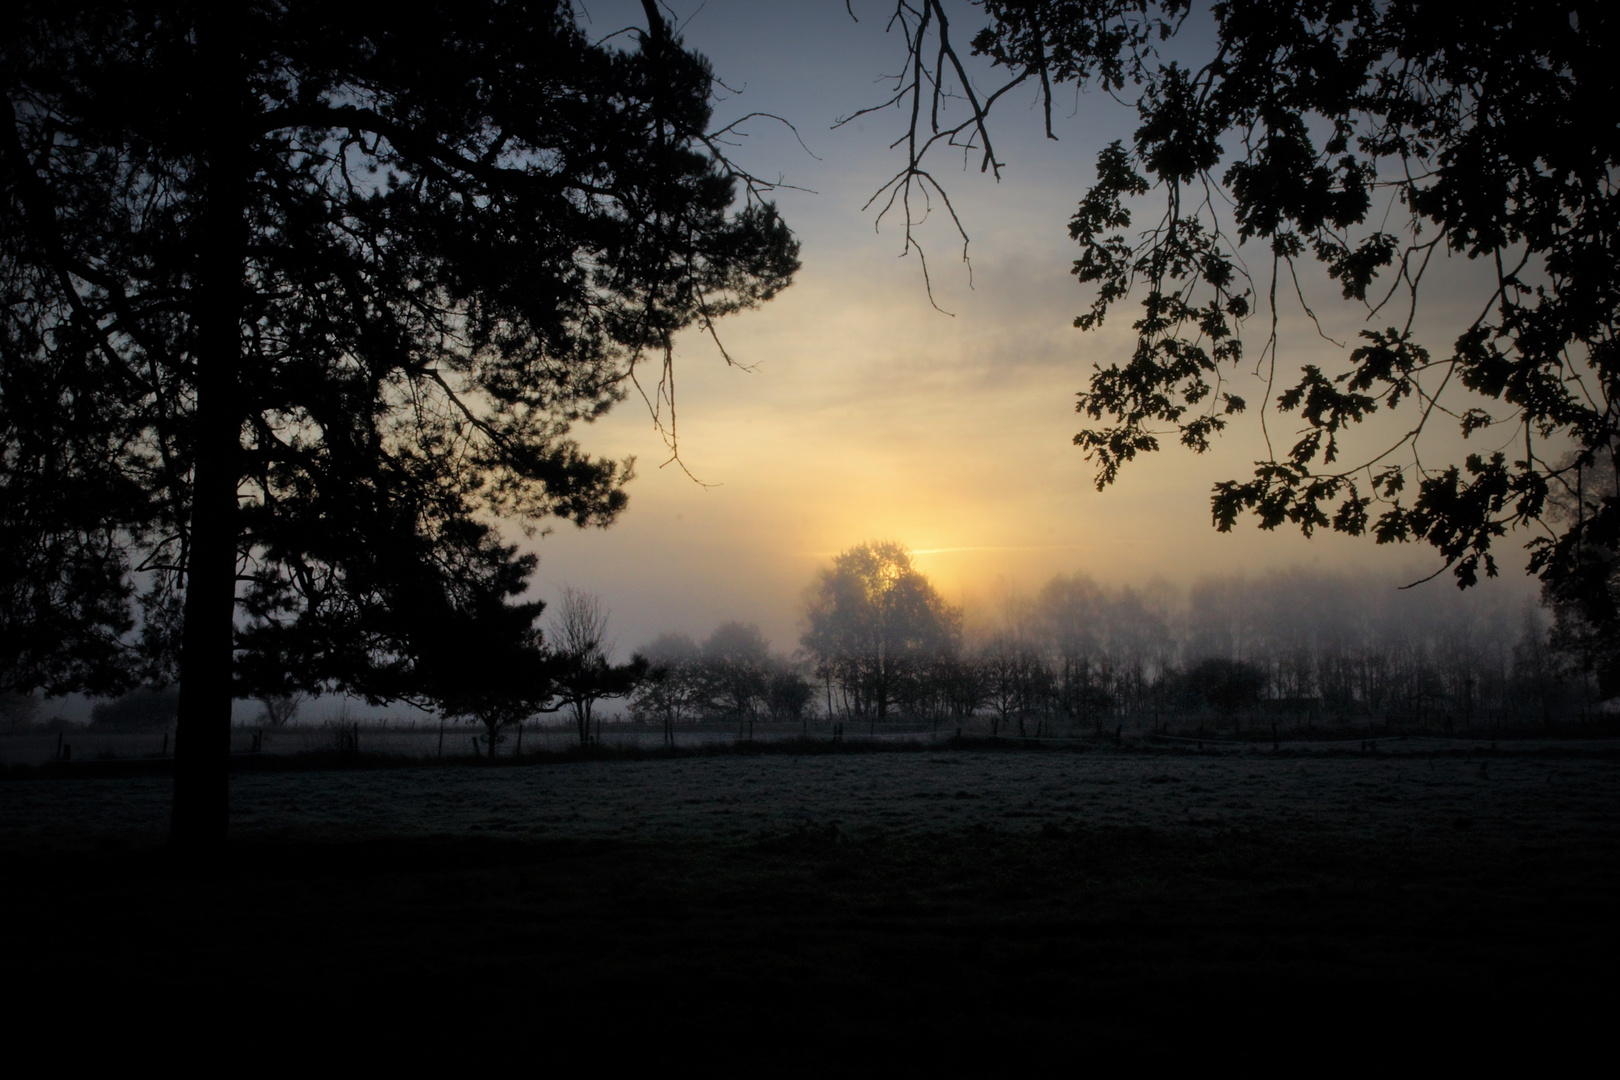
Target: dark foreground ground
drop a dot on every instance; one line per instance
(1478, 935)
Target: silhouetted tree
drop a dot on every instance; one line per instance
(294, 292)
(671, 691)
(961, 685)
(142, 709)
(1583, 629)
(1008, 668)
(1140, 644)
(1074, 619)
(64, 585)
(734, 670)
(17, 711)
(279, 709)
(491, 664)
(731, 675)
(873, 618)
(787, 693)
(1369, 137)
(582, 661)
(1226, 685)
(1539, 675)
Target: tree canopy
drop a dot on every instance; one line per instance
(874, 618)
(1371, 138)
(299, 299)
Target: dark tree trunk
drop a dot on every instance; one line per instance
(202, 748)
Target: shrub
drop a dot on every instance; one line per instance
(142, 709)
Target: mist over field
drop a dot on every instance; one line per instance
(1291, 622)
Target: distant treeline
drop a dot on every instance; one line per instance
(732, 675)
(1294, 648)
(144, 708)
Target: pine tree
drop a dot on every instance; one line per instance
(299, 298)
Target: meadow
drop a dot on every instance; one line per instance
(1453, 897)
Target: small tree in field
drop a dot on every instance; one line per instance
(279, 709)
(491, 665)
(787, 694)
(670, 692)
(582, 659)
(1226, 685)
(145, 708)
(735, 671)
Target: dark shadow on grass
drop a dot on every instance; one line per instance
(1120, 941)
(339, 760)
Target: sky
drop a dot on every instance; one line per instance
(863, 413)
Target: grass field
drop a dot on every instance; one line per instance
(1073, 906)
